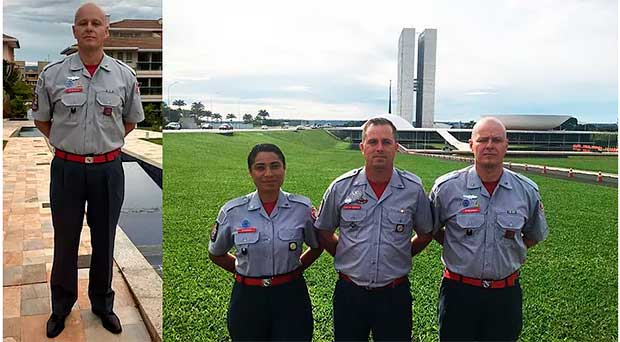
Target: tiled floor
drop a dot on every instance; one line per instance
(28, 249)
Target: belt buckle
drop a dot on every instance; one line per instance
(266, 282)
(486, 283)
(88, 160)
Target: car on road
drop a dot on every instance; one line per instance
(264, 127)
(225, 127)
(173, 125)
(299, 128)
(206, 125)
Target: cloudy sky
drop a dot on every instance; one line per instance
(43, 27)
(334, 59)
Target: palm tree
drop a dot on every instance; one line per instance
(263, 114)
(217, 116)
(230, 117)
(179, 103)
(198, 107)
(247, 118)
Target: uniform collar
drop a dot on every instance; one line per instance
(395, 182)
(76, 63)
(255, 202)
(474, 181)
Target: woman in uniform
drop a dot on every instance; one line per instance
(267, 229)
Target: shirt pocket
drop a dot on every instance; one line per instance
(351, 221)
(509, 228)
(110, 107)
(470, 225)
(245, 239)
(292, 238)
(71, 110)
(399, 225)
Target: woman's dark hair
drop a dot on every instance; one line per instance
(265, 148)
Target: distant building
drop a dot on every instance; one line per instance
(424, 84)
(138, 43)
(9, 44)
(30, 73)
(405, 85)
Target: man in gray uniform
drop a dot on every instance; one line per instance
(86, 104)
(491, 216)
(377, 209)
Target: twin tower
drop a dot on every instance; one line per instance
(424, 84)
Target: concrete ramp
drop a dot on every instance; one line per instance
(454, 142)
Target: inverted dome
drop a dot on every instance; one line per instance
(400, 123)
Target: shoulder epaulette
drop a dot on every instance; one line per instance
(300, 199)
(54, 63)
(448, 176)
(239, 201)
(525, 180)
(125, 65)
(409, 176)
(347, 175)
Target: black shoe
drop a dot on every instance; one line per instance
(55, 325)
(110, 321)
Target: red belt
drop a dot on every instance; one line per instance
(493, 284)
(267, 282)
(88, 159)
(391, 285)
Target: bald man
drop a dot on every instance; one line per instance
(85, 104)
(486, 218)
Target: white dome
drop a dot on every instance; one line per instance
(400, 123)
(533, 122)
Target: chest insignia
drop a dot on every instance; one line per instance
(292, 246)
(470, 204)
(73, 85)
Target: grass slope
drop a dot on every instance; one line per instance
(589, 163)
(569, 281)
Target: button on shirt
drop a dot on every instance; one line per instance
(374, 246)
(484, 234)
(265, 245)
(87, 112)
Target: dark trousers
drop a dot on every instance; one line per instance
(470, 313)
(385, 312)
(73, 184)
(280, 312)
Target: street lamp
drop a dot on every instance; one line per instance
(170, 86)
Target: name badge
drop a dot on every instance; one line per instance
(352, 207)
(246, 230)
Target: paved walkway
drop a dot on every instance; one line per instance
(28, 250)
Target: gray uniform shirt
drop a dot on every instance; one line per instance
(87, 112)
(374, 245)
(265, 245)
(484, 234)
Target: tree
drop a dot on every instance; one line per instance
(230, 116)
(179, 103)
(198, 107)
(247, 118)
(16, 91)
(217, 116)
(262, 114)
(152, 116)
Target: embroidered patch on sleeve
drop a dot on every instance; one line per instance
(214, 232)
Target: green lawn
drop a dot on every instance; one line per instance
(569, 282)
(591, 163)
(157, 141)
